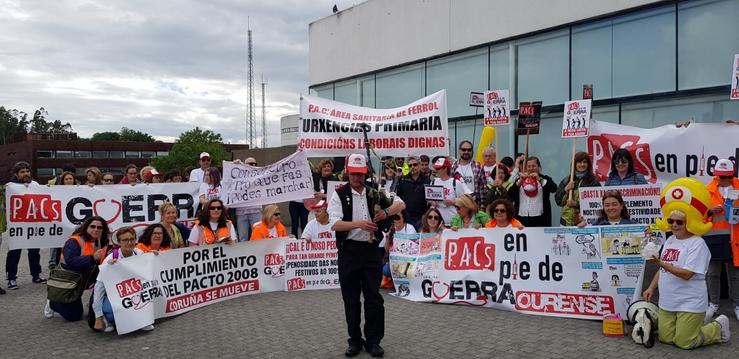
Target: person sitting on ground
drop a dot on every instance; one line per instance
(154, 239)
(125, 241)
(468, 214)
(212, 226)
(501, 215)
(270, 226)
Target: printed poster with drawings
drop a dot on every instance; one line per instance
(576, 119)
(584, 246)
(735, 79)
(497, 108)
(622, 246)
(406, 269)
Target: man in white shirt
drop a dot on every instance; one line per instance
(319, 227)
(197, 174)
(453, 188)
(354, 212)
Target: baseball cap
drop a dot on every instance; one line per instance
(442, 162)
(356, 164)
(724, 167)
(320, 204)
(251, 161)
(204, 154)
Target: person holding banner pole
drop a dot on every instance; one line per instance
(622, 170)
(357, 213)
(567, 195)
(723, 239)
(22, 175)
(212, 225)
(65, 179)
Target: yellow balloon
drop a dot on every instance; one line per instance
(486, 139)
(689, 196)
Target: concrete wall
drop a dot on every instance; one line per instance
(383, 33)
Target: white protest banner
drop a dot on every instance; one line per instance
(146, 287)
(434, 193)
(286, 180)
(642, 202)
(45, 216)
(735, 79)
(576, 118)
(332, 186)
(543, 271)
(413, 259)
(312, 265)
(497, 108)
(664, 153)
(329, 128)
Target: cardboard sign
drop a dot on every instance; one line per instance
(576, 118)
(434, 193)
(477, 99)
(587, 92)
(529, 116)
(497, 108)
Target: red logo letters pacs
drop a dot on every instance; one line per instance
(35, 208)
(469, 253)
(601, 148)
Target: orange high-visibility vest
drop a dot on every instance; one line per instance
(260, 231)
(88, 248)
(720, 224)
(146, 249)
(209, 237)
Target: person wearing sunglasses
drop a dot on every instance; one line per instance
(198, 174)
(470, 171)
(432, 221)
(108, 178)
(723, 239)
(82, 252)
(683, 293)
(270, 226)
(468, 214)
(411, 189)
(212, 225)
(501, 215)
(622, 170)
(124, 240)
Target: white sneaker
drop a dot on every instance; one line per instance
(710, 312)
(148, 328)
(723, 322)
(48, 313)
(109, 327)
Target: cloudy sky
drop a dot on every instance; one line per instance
(162, 67)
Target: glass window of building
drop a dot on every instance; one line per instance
(697, 109)
(325, 91)
(543, 69)
(116, 170)
(707, 39)
(99, 154)
(347, 92)
(368, 91)
(459, 74)
(165, 153)
(591, 59)
(400, 87)
(116, 154)
(147, 154)
(44, 154)
(63, 154)
(133, 154)
(644, 52)
(45, 171)
(82, 154)
(499, 68)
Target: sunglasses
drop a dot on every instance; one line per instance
(679, 222)
(218, 208)
(465, 149)
(621, 161)
(435, 218)
(499, 210)
(725, 177)
(107, 180)
(276, 214)
(252, 164)
(95, 227)
(205, 159)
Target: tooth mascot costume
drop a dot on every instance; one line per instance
(683, 263)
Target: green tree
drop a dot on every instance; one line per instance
(13, 123)
(106, 136)
(39, 124)
(128, 134)
(187, 148)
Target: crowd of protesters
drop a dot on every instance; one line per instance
(506, 193)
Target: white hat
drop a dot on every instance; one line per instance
(204, 154)
(356, 164)
(724, 167)
(442, 162)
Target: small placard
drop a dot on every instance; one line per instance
(434, 193)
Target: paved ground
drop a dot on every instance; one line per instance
(311, 325)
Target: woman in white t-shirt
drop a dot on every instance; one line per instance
(212, 225)
(683, 295)
(453, 188)
(211, 188)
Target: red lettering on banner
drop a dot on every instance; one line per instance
(327, 234)
(565, 303)
(128, 287)
(209, 295)
(295, 284)
(273, 259)
(35, 208)
(671, 255)
(469, 253)
(601, 149)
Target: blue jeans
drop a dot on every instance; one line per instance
(245, 223)
(108, 311)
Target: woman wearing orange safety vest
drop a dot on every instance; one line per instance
(270, 225)
(723, 239)
(212, 226)
(154, 239)
(82, 252)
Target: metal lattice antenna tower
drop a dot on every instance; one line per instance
(264, 115)
(250, 120)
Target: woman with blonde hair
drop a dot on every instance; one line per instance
(93, 176)
(468, 214)
(177, 232)
(270, 226)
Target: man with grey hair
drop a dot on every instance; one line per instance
(489, 157)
